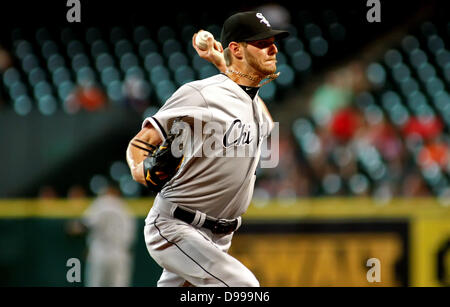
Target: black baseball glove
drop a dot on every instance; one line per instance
(160, 165)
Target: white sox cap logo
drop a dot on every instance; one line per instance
(263, 19)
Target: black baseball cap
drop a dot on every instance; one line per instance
(247, 27)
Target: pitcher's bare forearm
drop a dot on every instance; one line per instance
(136, 155)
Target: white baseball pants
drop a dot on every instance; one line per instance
(192, 255)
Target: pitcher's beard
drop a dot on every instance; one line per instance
(268, 71)
(262, 69)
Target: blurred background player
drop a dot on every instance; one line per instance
(111, 233)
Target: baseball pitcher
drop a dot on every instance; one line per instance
(199, 153)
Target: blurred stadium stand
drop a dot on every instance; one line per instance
(389, 137)
(364, 109)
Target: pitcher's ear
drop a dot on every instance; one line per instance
(236, 49)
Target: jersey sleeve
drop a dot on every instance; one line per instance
(267, 119)
(186, 101)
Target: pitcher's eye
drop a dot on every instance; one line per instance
(262, 44)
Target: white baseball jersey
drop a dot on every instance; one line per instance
(216, 178)
(220, 187)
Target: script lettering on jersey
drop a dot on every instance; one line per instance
(244, 134)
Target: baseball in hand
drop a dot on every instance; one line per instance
(201, 40)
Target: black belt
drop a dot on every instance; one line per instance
(217, 226)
